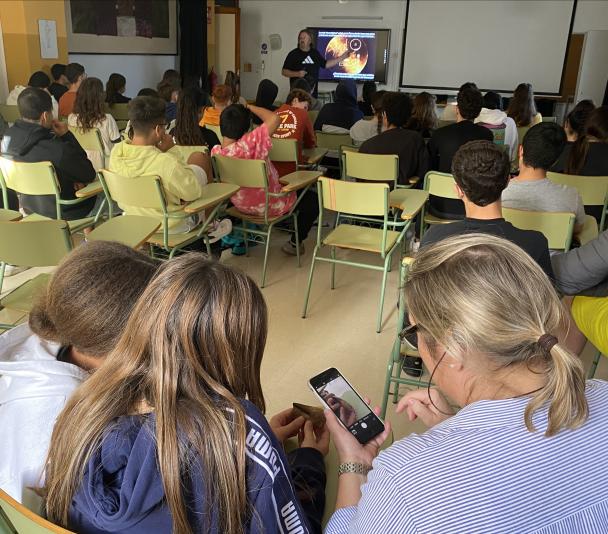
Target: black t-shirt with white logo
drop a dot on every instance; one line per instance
(310, 61)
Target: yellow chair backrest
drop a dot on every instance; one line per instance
(312, 115)
(556, 226)
(284, 150)
(30, 178)
(141, 191)
(241, 172)
(17, 519)
(521, 133)
(371, 167)
(549, 119)
(216, 129)
(440, 184)
(356, 198)
(9, 113)
(593, 189)
(89, 140)
(120, 112)
(34, 243)
(332, 141)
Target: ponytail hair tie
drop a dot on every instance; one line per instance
(546, 342)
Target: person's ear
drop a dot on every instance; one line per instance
(520, 153)
(459, 191)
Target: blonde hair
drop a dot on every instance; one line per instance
(191, 350)
(481, 294)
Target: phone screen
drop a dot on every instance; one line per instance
(349, 407)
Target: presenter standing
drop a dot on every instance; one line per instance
(305, 62)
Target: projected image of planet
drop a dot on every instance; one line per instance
(357, 53)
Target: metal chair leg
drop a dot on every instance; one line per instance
(381, 306)
(266, 256)
(594, 364)
(333, 268)
(312, 269)
(295, 226)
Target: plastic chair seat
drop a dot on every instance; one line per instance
(23, 298)
(256, 219)
(173, 240)
(360, 238)
(589, 231)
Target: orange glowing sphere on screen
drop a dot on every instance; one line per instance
(357, 53)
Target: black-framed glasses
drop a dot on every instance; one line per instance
(410, 334)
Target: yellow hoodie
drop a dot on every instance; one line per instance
(178, 179)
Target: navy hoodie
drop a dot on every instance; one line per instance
(31, 142)
(122, 487)
(344, 112)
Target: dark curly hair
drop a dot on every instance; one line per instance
(470, 102)
(481, 170)
(89, 105)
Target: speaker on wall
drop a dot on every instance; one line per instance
(275, 41)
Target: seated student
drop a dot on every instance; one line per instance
(60, 82)
(365, 129)
(169, 93)
(39, 80)
(75, 74)
(583, 270)
(446, 141)
(169, 434)
(187, 131)
(301, 83)
(491, 116)
(239, 142)
(367, 95)
(339, 116)
(295, 124)
(38, 137)
(89, 112)
(575, 124)
(424, 115)
(481, 172)
(115, 87)
(221, 97)
(232, 80)
(522, 108)
(147, 154)
(486, 322)
(588, 154)
(171, 77)
(449, 111)
(395, 139)
(591, 316)
(75, 324)
(265, 97)
(531, 189)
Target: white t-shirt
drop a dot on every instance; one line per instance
(363, 130)
(109, 132)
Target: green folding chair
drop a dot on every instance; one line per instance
(147, 193)
(215, 129)
(556, 226)
(252, 173)
(332, 141)
(90, 141)
(120, 112)
(359, 200)
(29, 244)
(439, 184)
(10, 113)
(592, 189)
(40, 179)
(184, 152)
(15, 518)
(130, 230)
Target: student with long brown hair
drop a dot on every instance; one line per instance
(424, 114)
(187, 131)
(168, 435)
(522, 108)
(89, 112)
(76, 322)
(115, 87)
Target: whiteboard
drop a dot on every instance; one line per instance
(496, 44)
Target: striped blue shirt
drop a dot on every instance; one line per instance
(482, 471)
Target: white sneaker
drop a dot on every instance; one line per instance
(11, 270)
(219, 229)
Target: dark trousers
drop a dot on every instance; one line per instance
(308, 211)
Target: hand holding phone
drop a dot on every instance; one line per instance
(334, 391)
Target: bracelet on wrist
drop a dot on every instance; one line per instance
(354, 467)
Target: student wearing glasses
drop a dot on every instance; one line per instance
(487, 320)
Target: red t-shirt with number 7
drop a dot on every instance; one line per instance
(295, 124)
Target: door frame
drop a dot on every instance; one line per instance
(236, 11)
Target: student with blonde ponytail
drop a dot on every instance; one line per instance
(521, 454)
(168, 435)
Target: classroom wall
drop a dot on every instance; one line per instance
(21, 38)
(260, 18)
(140, 71)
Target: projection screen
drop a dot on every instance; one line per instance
(497, 44)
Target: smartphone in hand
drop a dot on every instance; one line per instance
(334, 392)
